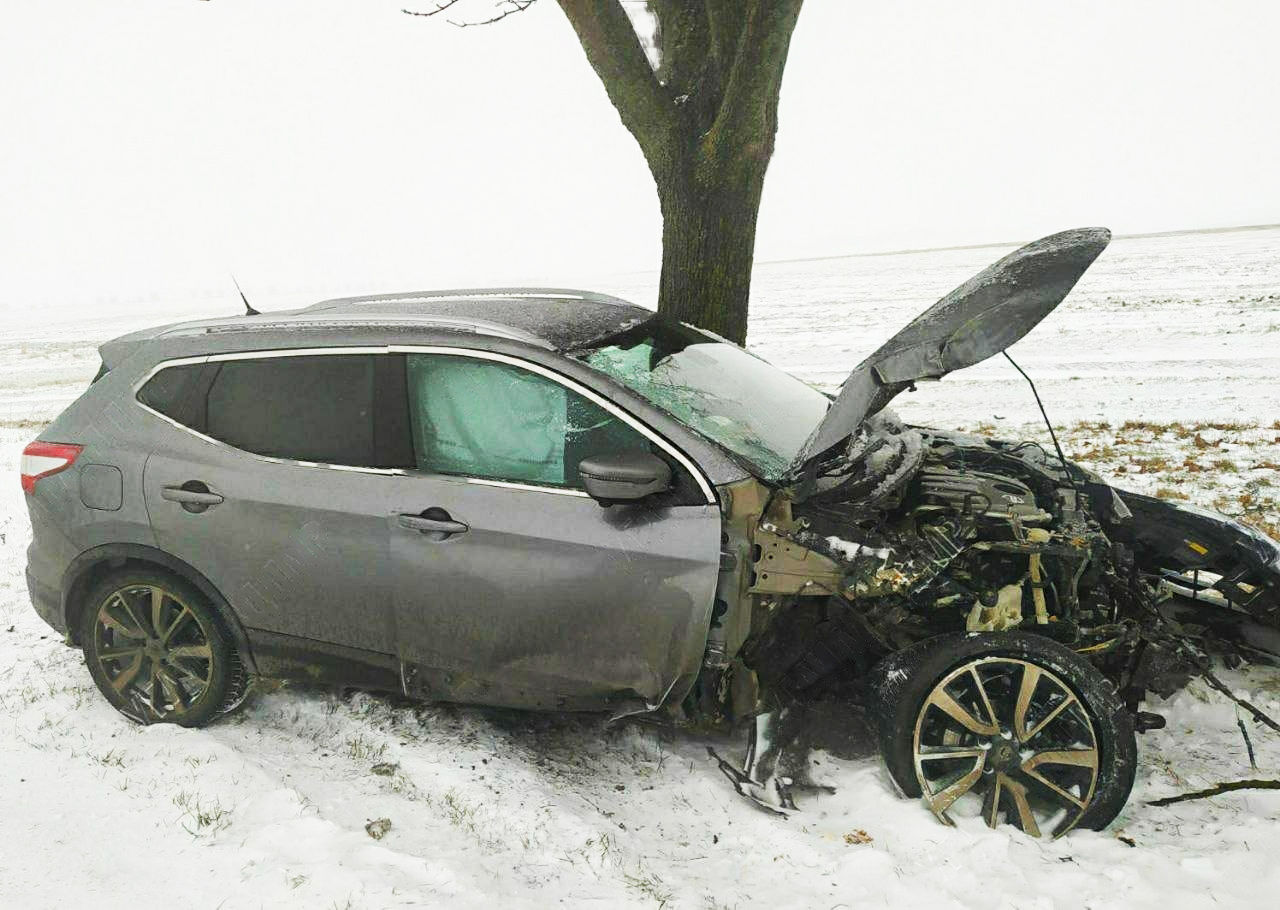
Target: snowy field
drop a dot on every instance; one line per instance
(1164, 371)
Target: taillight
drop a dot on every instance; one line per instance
(44, 459)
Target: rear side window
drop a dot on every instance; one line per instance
(303, 408)
(167, 391)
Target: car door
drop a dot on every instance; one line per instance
(514, 587)
(273, 490)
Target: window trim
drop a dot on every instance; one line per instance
(573, 385)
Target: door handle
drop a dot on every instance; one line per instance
(194, 496)
(440, 525)
(191, 497)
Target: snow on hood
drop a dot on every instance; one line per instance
(977, 320)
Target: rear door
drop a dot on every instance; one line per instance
(274, 485)
(512, 586)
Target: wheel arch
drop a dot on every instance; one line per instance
(90, 566)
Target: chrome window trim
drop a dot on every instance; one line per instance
(504, 484)
(572, 384)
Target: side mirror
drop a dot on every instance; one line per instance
(624, 476)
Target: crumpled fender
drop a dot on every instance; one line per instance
(1181, 539)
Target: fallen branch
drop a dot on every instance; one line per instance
(1227, 787)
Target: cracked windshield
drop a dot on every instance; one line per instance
(732, 397)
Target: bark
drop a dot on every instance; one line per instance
(706, 123)
(708, 247)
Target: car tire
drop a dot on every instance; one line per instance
(158, 650)
(915, 697)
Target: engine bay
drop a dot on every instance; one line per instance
(911, 532)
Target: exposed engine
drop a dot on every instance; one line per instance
(935, 532)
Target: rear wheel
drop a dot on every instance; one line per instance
(157, 649)
(1012, 727)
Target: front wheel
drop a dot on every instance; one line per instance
(157, 649)
(1010, 726)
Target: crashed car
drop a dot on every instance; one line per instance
(555, 500)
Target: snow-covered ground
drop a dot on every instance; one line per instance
(1163, 370)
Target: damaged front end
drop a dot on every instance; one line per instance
(924, 532)
(885, 540)
(918, 533)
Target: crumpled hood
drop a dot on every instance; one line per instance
(979, 319)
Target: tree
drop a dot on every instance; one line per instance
(705, 118)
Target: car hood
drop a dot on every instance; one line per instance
(977, 320)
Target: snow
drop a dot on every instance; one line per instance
(850, 550)
(269, 808)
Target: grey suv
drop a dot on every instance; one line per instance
(553, 499)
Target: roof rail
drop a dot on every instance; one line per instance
(473, 326)
(513, 293)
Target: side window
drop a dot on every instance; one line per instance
(494, 421)
(304, 408)
(166, 392)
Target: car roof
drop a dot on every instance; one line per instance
(556, 318)
(553, 321)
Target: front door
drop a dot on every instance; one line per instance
(512, 586)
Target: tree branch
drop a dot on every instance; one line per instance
(748, 116)
(613, 49)
(440, 8)
(687, 68)
(724, 21)
(506, 8)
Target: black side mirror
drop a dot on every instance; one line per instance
(624, 476)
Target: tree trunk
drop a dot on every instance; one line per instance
(706, 122)
(708, 246)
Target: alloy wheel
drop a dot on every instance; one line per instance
(1009, 739)
(153, 650)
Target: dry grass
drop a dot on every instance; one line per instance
(1229, 466)
(1091, 426)
(1145, 426)
(1270, 527)
(1156, 464)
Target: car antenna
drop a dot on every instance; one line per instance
(1047, 422)
(248, 310)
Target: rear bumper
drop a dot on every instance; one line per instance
(47, 602)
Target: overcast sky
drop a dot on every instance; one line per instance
(148, 147)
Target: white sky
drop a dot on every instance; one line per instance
(148, 147)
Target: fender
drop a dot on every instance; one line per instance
(1179, 541)
(83, 568)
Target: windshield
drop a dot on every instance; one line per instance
(734, 398)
